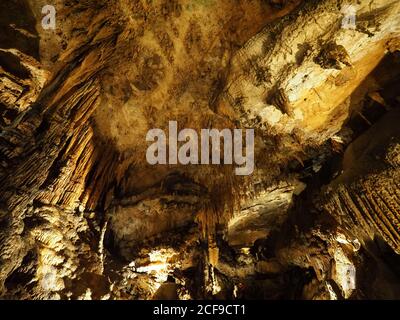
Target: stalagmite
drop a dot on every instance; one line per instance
(199, 150)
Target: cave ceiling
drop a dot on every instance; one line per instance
(84, 215)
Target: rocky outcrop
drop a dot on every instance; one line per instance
(365, 196)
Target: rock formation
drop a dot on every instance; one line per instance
(83, 215)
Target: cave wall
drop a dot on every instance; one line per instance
(84, 216)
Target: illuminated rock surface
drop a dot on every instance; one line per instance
(84, 216)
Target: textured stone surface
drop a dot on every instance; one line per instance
(82, 214)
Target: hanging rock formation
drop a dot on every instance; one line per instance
(83, 215)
